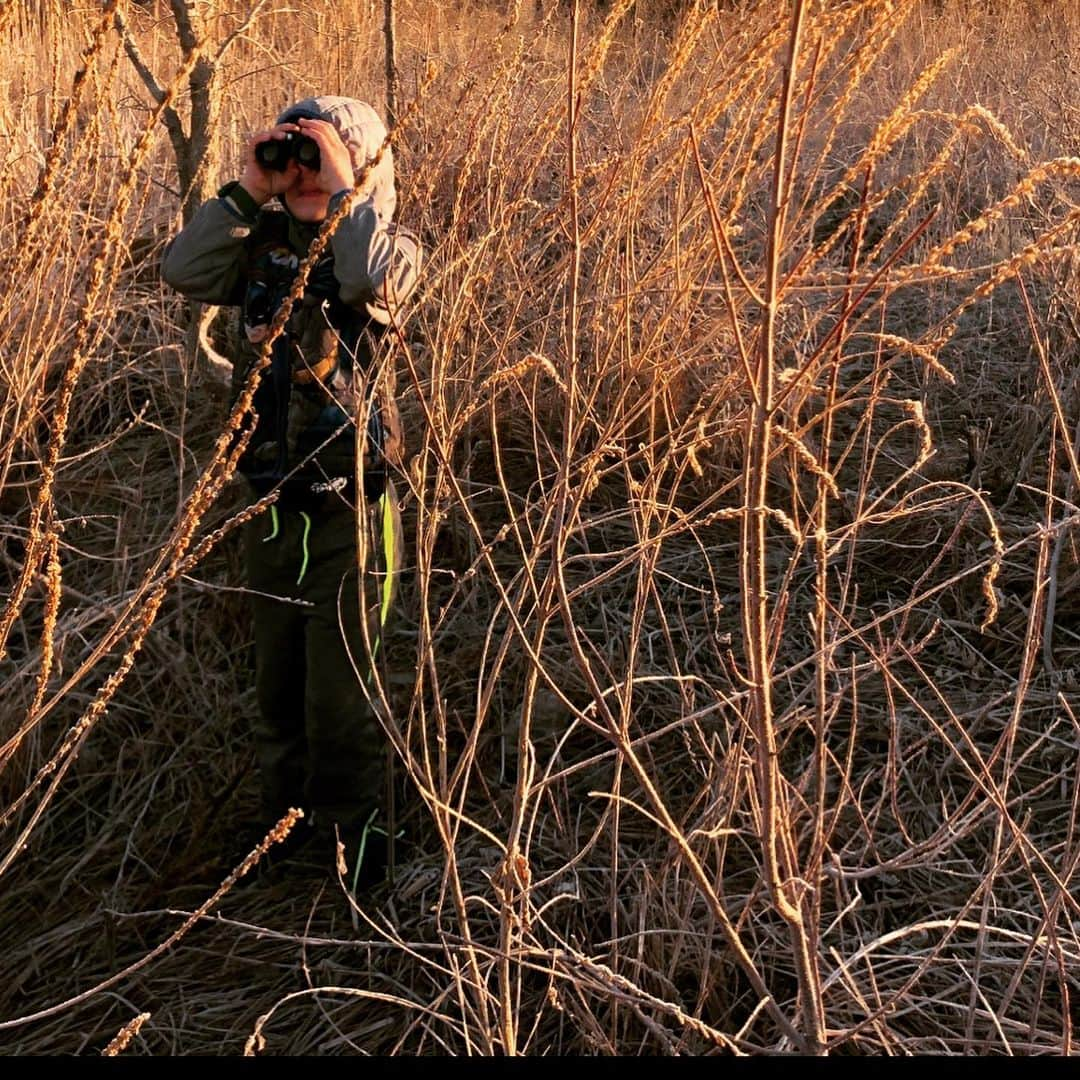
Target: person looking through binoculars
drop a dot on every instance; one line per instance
(322, 563)
(302, 160)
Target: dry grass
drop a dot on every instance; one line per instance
(732, 703)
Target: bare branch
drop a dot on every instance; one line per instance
(131, 47)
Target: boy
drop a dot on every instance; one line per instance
(317, 738)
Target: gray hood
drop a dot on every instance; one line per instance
(363, 133)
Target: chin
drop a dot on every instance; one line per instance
(307, 212)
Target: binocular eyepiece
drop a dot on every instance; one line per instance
(275, 154)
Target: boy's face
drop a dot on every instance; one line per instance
(305, 199)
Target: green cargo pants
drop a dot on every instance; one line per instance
(318, 740)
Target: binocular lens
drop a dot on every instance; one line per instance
(271, 154)
(307, 153)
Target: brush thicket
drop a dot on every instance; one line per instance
(730, 703)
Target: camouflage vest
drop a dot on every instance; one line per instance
(319, 383)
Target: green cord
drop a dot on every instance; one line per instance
(304, 546)
(274, 522)
(386, 588)
(388, 555)
(369, 827)
(363, 846)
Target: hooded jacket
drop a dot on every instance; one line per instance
(318, 385)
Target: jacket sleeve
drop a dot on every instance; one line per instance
(377, 264)
(205, 260)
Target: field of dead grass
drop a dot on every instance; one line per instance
(731, 705)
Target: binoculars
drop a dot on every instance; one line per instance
(275, 154)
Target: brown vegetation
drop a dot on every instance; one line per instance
(731, 707)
